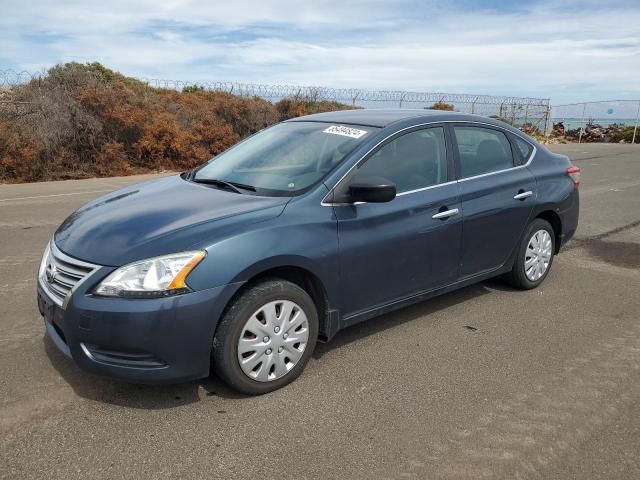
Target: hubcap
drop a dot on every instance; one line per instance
(538, 255)
(273, 340)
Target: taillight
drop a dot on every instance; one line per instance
(574, 173)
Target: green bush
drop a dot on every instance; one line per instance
(626, 134)
(192, 89)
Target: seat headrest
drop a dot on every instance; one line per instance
(415, 146)
(491, 149)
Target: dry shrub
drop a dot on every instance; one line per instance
(447, 107)
(84, 120)
(18, 155)
(295, 107)
(112, 160)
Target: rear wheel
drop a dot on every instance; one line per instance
(534, 257)
(265, 337)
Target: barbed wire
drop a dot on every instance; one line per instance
(12, 78)
(352, 95)
(525, 112)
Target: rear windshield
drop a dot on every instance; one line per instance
(287, 158)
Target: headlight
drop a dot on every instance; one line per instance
(154, 277)
(44, 262)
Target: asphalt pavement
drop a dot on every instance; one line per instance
(485, 382)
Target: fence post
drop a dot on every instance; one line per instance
(584, 108)
(473, 105)
(635, 129)
(547, 118)
(402, 99)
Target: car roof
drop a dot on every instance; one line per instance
(384, 117)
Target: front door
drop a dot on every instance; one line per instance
(390, 251)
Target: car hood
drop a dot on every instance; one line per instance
(156, 218)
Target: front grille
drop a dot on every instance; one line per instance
(62, 273)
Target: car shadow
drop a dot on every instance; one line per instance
(154, 397)
(149, 397)
(411, 313)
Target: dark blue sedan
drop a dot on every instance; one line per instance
(303, 229)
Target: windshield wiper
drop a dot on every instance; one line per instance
(233, 186)
(218, 183)
(243, 186)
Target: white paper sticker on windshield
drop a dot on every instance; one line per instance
(345, 131)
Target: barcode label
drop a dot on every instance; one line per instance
(345, 131)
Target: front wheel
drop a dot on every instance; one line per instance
(534, 257)
(265, 337)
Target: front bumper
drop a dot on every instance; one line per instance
(163, 340)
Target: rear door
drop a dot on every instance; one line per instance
(393, 250)
(497, 195)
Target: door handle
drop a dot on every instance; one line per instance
(446, 214)
(522, 195)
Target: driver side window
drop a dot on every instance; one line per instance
(412, 161)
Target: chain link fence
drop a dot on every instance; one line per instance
(531, 114)
(601, 121)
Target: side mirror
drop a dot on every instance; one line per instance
(372, 190)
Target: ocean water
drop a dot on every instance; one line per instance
(573, 123)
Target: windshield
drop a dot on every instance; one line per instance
(286, 158)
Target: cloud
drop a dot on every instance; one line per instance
(563, 50)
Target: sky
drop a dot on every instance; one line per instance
(565, 50)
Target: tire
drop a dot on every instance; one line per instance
(525, 278)
(276, 304)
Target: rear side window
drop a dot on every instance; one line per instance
(524, 149)
(482, 150)
(412, 161)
